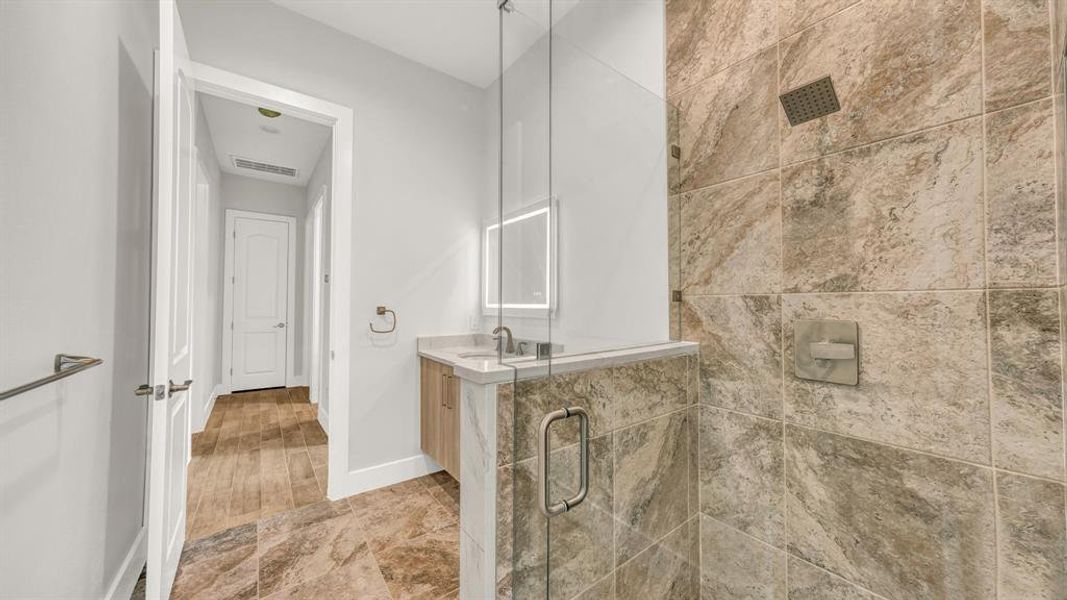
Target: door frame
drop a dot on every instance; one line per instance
(314, 221)
(340, 119)
(232, 215)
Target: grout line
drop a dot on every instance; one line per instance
(785, 550)
(783, 503)
(875, 292)
(817, 22)
(926, 453)
(990, 395)
(776, 41)
(738, 179)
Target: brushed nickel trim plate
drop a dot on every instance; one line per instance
(826, 351)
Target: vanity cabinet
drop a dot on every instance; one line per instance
(439, 414)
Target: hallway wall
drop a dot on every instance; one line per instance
(208, 268)
(926, 211)
(416, 153)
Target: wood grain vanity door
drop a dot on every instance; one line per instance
(449, 439)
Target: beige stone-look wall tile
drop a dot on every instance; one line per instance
(734, 566)
(1021, 187)
(923, 371)
(899, 523)
(1032, 538)
(731, 237)
(643, 390)
(651, 470)
(807, 582)
(1059, 107)
(601, 590)
(578, 537)
(674, 165)
(664, 571)
(533, 398)
(1017, 52)
(674, 266)
(1059, 17)
(505, 423)
(897, 65)
(727, 123)
(693, 422)
(794, 15)
(1027, 381)
(705, 36)
(741, 473)
(740, 351)
(904, 214)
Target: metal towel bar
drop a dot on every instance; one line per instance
(65, 365)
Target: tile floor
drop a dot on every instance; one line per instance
(397, 542)
(256, 534)
(261, 453)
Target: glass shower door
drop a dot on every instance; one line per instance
(594, 487)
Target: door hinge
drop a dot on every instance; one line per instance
(676, 151)
(676, 295)
(233, 279)
(231, 325)
(326, 278)
(231, 370)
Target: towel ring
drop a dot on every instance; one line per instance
(381, 311)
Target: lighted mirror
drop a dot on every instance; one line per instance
(520, 280)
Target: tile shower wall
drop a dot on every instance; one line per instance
(636, 535)
(926, 210)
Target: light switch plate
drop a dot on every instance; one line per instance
(840, 371)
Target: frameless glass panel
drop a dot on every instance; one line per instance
(577, 259)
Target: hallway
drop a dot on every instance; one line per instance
(261, 453)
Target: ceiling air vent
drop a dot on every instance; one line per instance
(262, 167)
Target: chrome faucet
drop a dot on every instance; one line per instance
(510, 349)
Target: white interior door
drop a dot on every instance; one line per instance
(172, 331)
(261, 300)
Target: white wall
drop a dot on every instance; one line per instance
(75, 199)
(319, 180)
(417, 168)
(256, 195)
(207, 315)
(608, 169)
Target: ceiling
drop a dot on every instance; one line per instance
(237, 130)
(457, 37)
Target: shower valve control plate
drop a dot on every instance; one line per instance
(827, 351)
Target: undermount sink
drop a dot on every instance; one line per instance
(485, 355)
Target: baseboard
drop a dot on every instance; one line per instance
(296, 381)
(378, 476)
(130, 571)
(324, 418)
(218, 390)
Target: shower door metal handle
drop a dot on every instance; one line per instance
(548, 508)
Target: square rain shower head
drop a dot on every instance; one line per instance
(811, 101)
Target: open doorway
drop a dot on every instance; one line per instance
(259, 443)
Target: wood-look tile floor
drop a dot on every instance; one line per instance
(261, 453)
(394, 543)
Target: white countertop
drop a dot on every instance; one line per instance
(449, 349)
